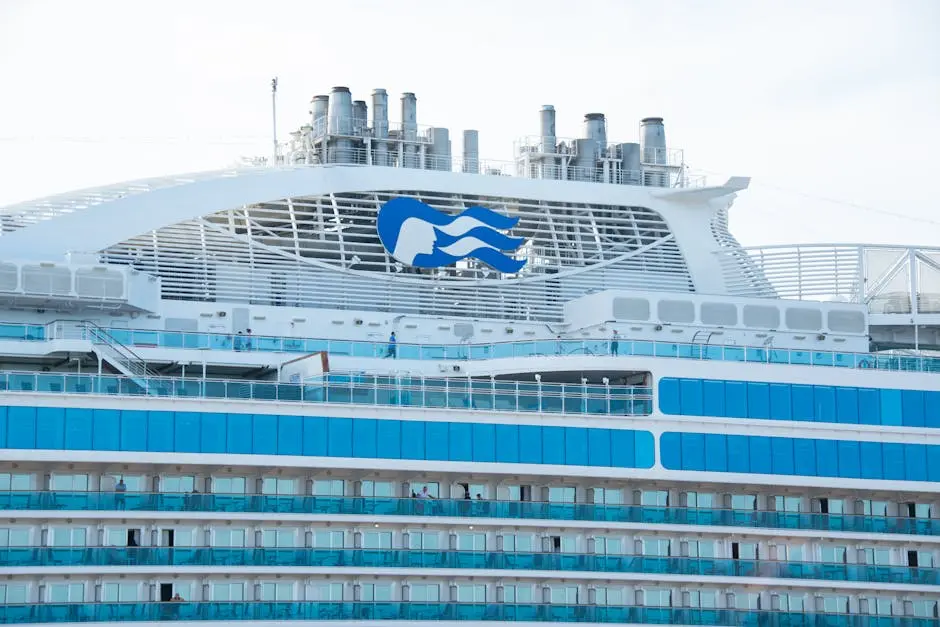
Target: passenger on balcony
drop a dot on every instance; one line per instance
(119, 491)
(615, 343)
(392, 346)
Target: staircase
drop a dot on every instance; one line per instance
(123, 359)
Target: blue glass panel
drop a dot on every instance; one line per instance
(670, 450)
(847, 405)
(825, 397)
(669, 396)
(134, 430)
(693, 451)
(50, 428)
(758, 400)
(714, 403)
(553, 445)
(891, 412)
(436, 445)
(912, 408)
(214, 433)
(598, 447)
(3, 427)
(530, 444)
(915, 462)
(290, 435)
(760, 455)
(507, 444)
(316, 436)
(644, 450)
(739, 453)
(339, 443)
(239, 433)
(870, 455)
(716, 452)
(782, 456)
(804, 457)
(107, 435)
(932, 409)
(780, 401)
(576, 446)
(849, 465)
(364, 438)
(804, 405)
(827, 458)
(893, 455)
(461, 442)
(691, 397)
(736, 399)
(160, 431)
(869, 406)
(623, 449)
(412, 439)
(186, 432)
(79, 427)
(933, 463)
(484, 443)
(264, 434)
(388, 434)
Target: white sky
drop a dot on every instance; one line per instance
(815, 100)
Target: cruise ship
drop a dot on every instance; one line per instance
(370, 380)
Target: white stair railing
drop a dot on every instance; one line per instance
(128, 362)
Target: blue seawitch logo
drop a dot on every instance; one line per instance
(418, 235)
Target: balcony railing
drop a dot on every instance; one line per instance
(454, 393)
(529, 510)
(407, 558)
(526, 348)
(416, 611)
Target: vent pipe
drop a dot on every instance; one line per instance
(409, 128)
(630, 163)
(595, 129)
(653, 141)
(341, 123)
(320, 107)
(360, 112)
(379, 126)
(341, 111)
(548, 129)
(439, 152)
(471, 152)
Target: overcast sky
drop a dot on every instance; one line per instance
(832, 107)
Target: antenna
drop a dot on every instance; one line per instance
(274, 119)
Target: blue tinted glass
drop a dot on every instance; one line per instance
(912, 408)
(847, 405)
(736, 399)
(761, 455)
(714, 403)
(780, 401)
(691, 397)
(849, 464)
(758, 400)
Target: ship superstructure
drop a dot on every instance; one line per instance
(373, 381)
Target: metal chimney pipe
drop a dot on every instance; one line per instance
(653, 141)
(547, 143)
(471, 152)
(409, 128)
(379, 127)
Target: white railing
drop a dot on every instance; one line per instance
(392, 157)
(889, 279)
